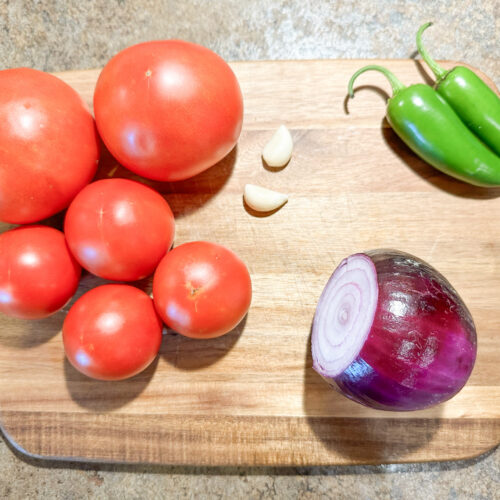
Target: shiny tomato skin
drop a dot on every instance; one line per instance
(168, 109)
(38, 274)
(112, 332)
(119, 229)
(202, 289)
(49, 147)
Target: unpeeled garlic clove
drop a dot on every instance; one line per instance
(263, 199)
(278, 151)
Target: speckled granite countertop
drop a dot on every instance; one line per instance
(60, 35)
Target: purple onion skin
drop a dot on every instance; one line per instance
(422, 344)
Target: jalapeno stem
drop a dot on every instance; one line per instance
(439, 72)
(393, 80)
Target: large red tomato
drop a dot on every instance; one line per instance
(49, 146)
(38, 274)
(112, 332)
(168, 110)
(201, 289)
(119, 229)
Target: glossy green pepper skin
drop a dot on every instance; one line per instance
(432, 129)
(425, 122)
(473, 101)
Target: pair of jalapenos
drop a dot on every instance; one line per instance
(454, 126)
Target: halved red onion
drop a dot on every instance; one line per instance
(390, 332)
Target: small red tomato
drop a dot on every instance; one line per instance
(38, 274)
(112, 332)
(119, 229)
(202, 290)
(49, 146)
(168, 109)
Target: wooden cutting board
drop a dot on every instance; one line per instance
(251, 397)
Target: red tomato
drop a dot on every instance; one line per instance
(168, 110)
(119, 229)
(38, 274)
(112, 332)
(202, 290)
(49, 146)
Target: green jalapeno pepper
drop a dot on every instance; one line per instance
(476, 104)
(430, 127)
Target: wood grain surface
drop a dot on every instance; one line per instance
(251, 397)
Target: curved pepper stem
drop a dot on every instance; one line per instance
(439, 72)
(393, 80)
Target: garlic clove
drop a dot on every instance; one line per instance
(263, 199)
(278, 151)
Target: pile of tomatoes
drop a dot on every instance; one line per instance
(166, 110)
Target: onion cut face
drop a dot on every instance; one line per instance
(391, 333)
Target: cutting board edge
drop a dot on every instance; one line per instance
(445, 62)
(29, 450)
(103, 461)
